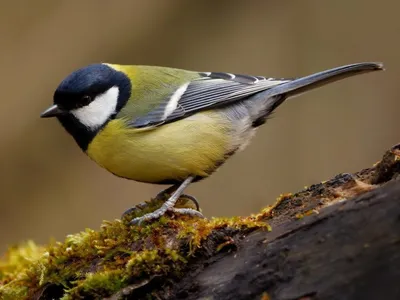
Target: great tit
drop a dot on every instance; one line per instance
(171, 126)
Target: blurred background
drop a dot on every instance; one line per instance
(49, 188)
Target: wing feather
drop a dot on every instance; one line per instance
(211, 90)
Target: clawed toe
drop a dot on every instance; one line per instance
(161, 211)
(189, 198)
(168, 205)
(188, 212)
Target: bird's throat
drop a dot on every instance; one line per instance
(82, 134)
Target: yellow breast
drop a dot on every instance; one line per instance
(192, 146)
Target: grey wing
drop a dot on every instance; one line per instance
(209, 91)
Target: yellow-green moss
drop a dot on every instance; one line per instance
(99, 263)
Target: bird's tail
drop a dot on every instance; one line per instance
(304, 84)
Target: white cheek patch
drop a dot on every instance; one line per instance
(99, 110)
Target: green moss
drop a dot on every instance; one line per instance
(97, 264)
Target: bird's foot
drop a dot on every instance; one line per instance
(184, 202)
(162, 210)
(176, 193)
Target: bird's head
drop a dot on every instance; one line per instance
(88, 98)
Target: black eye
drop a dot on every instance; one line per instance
(85, 100)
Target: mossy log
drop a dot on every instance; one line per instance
(338, 239)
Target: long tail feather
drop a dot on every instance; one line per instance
(304, 84)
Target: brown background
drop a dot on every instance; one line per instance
(49, 188)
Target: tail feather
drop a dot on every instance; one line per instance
(304, 84)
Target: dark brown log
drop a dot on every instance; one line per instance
(350, 250)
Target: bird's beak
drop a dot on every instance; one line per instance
(52, 111)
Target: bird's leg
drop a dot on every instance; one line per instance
(169, 205)
(162, 197)
(167, 192)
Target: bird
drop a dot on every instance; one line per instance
(163, 125)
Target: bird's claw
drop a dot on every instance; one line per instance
(188, 212)
(161, 211)
(189, 198)
(141, 206)
(177, 192)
